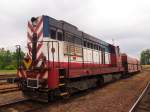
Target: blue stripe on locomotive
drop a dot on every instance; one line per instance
(46, 20)
(45, 26)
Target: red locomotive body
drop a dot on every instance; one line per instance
(62, 59)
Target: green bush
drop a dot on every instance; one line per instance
(10, 67)
(8, 59)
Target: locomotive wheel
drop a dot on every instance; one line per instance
(100, 82)
(51, 96)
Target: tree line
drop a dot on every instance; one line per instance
(8, 59)
(145, 57)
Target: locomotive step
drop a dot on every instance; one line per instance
(63, 94)
(62, 84)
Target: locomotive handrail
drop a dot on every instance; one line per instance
(18, 58)
(48, 48)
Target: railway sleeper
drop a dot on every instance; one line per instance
(36, 95)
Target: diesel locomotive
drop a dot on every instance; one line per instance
(61, 60)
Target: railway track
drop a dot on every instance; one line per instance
(142, 104)
(10, 78)
(12, 102)
(3, 83)
(6, 87)
(9, 89)
(7, 76)
(22, 105)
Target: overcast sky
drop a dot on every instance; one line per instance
(125, 21)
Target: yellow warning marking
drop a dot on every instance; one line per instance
(61, 84)
(61, 77)
(27, 63)
(65, 93)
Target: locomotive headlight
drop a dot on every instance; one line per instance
(34, 21)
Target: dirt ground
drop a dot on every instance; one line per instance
(7, 85)
(11, 96)
(114, 97)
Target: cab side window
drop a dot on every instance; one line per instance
(88, 44)
(103, 56)
(85, 44)
(53, 33)
(60, 36)
(91, 45)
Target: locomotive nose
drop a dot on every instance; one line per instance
(34, 21)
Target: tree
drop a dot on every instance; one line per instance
(8, 59)
(145, 57)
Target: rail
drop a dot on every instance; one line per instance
(140, 98)
(10, 89)
(13, 102)
(26, 105)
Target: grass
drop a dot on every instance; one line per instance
(8, 71)
(146, 67)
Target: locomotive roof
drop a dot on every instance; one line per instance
(73, 29)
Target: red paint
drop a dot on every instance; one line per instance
(40, 33)
(38, 24)
(39, 46)
(30, 27)
(113, 59)
(29, 36)
(36, 28)
(53, 79)
(29, 47)
(77, 69)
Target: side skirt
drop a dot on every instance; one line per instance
(80, 84)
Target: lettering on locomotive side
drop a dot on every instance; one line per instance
(78, 51)
(73, 50)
